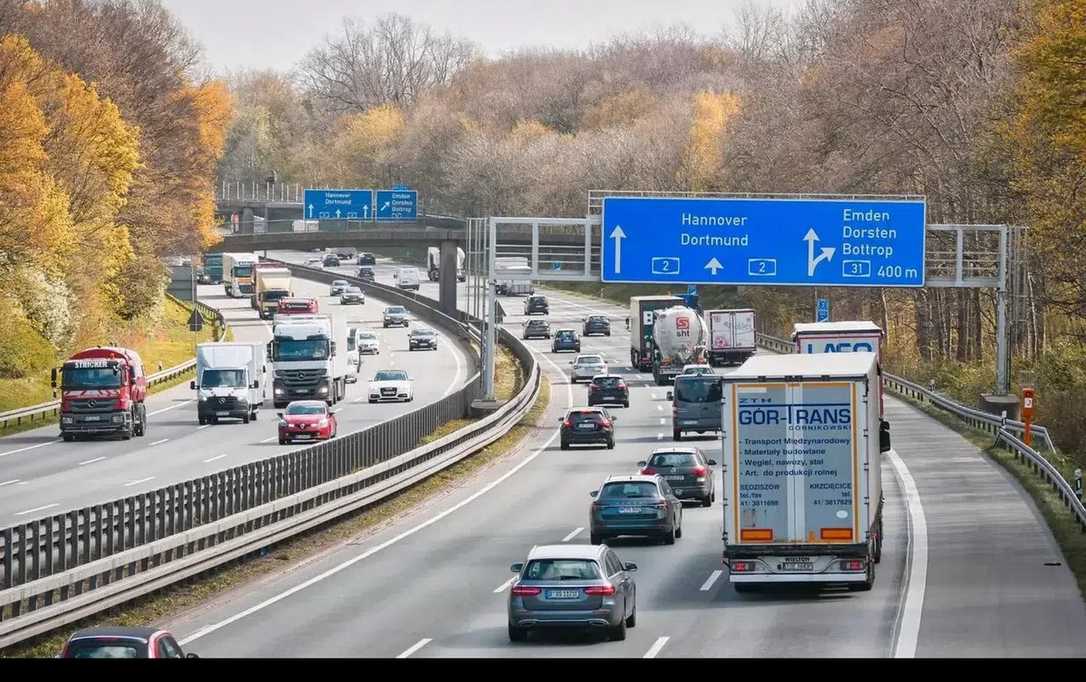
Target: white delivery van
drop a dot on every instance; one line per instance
(407, 278)
(230, 381)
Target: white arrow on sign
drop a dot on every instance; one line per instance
(713, 266)
(826, 255)
(337, 213)
(311, 210)
(385, 205)
(618, 235)
(365, 210)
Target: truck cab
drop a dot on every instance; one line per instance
(237, 273)
(102, 392)
(296, 306)
(309, 359)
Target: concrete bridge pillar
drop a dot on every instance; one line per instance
(246, 222)
(447, 279)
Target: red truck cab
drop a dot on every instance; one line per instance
(102, 391)
(297, 306)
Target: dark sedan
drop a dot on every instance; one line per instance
(566, 339)
(608, 390)
(536, 304)
(686, 470)
(366, 258)
(118, 642)
(421, 337)
(366, 274)
(537, 329)
(596, 324)
(588, 425)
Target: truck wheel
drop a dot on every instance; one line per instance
(595, 539)
(866, 585)
(245, 419)
(877, 555)
(68, 437)
(142, 426)
(253, 416)
(203, 421)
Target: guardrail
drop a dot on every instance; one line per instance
(59, 569)
(43, 411)
(1004, 430)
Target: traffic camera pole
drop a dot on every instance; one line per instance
(490, 339)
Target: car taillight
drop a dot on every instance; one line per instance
(523, 591)
(593, 387)
(648, 471)
(606, 423)
(621, 384)
(699, 470)
(600, 590)
(568, 424)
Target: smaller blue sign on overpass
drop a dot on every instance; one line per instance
(397, 204)
(338, 204)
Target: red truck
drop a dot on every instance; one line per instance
(103, 390)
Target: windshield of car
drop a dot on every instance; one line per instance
(597, 318)
(673, 459)
(295, 408)
(562, 569)
(353, 290)
(566, 335)
(423, 332)
(339, 283)
(310, 349)
(590, 360)
(698, 390)
(609, 382)
(585, 415)
(223, 378)
(697, 370)
(90, 377)
(395, 310)
(114, 648)
(627, 490)
(367, 336)
(390, 375)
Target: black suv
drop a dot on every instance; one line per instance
(367, 259)
(566, 339)
(596, 324)
(421, 337)
(537, 328)
(536, 304)
(608, 390)
(366, 274)
(331, 260)
(588, 425)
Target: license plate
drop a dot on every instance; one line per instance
(609, 397)
(303, 436)
(689, 421)
(798, 566)
(222, 414)
(629, 510)
(563, 594)
(673, 478)
(586, 426)
(92, 419)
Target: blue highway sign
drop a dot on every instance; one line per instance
(823, 312)
(772, 242)
(396, 204)
(338, 204)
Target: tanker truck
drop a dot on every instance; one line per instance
(678, 338)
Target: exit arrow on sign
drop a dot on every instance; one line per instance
(714, 265)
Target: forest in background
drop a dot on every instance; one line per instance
(110, 138)
(979, 105)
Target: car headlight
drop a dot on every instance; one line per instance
(322, 389)
(278, 391)
(65, 420)
(283, 424)
(117, 418)
(323, 423)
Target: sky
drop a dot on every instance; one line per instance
(242, 34)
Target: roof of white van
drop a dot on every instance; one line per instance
(839, 365)
(835, 327)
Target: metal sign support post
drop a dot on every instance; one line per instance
(1003, 364)
(490, 339)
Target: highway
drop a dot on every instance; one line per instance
(41, 475)
(962, 574)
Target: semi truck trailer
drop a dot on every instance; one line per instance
(678, 339)
(731, 336)
(643, 311)
(802, 453)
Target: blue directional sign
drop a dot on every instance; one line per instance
(774, 242)
(338, 204)
(822, 313)
(395, 204)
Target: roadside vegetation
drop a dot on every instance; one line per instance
(108, 150)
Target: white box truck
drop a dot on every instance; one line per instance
(802, 470)
(513, 276)
(237, 273)
(230, 381)
(731, 336)
(309, 359)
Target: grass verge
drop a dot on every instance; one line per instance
(1060, 519)
(175, 600)
(508, 379)
(170, 344)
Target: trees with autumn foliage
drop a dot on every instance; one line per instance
(109, 144)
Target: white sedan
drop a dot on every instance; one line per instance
(391, 385)
(587, 366)
(368, 344)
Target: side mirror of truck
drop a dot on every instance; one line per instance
(670, 395)
(53, 378)
(884, 436)
(192, 385)
(333, 348)
(712, 462)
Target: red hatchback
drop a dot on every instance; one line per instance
(307, 420)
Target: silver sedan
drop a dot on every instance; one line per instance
(587, 366)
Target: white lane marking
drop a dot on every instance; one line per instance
(29, 447)
(214, 458)
(418, 645)
(167, 409)
(160, 442)
(459, 368)
(266, 440)
(663, 420)
(572, 535)
(142, 480)
(660, 408)
(659, 436)
(373, 550)
(14, 480)
(505, 586)
(37, 509)
(655, 648)
(907, 627)
(655, 396)
(561, 372)
(91, 461)
(708, 584)
(201, 428)
(24, 483)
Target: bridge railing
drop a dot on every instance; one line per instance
(65, 567)
(1006, 431)
(254, 190)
